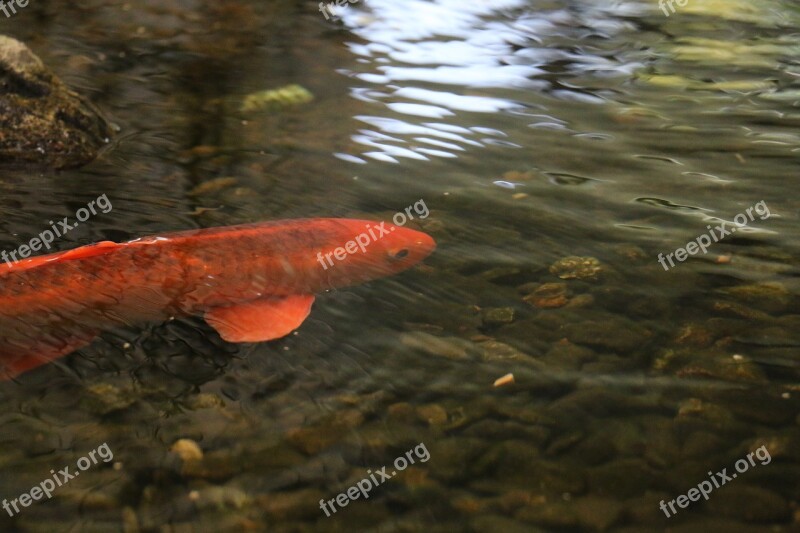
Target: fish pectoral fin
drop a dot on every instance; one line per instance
(260, 320)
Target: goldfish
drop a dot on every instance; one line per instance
(251, 283)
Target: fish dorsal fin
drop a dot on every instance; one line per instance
(90, 250)
(260, 320)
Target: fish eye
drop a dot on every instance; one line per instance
(400, 254)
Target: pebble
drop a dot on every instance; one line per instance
(508, 379)
(401, 411)
(104, 398)
(549, 296)
(313, 439)
(498, 316)
(623, 478)
(432, 414)
(214, 185)
(447, 347)
(771, 297)
(220, 497)
(499, 351)
(294, 505)
(574, 267)
(187, 450)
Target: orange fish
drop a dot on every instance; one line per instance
(252, 283)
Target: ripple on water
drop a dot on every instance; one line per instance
(439, 64)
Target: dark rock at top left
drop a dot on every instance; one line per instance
(43, 122)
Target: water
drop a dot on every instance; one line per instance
(533, 131)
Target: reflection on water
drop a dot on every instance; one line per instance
(560, 145)
(417, 52)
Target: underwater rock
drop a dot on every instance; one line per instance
(276, 99)
(612, 334)
(703, 443)
(41, 120)
(187, 450)
(582, 514)
(756, 53)
(432, 414)
(760, 407)
(579, 301)
(497, 316)
(213, 185)
(564, 354)
(549, 296)
(495, 430)
(205, 400)
(752, 504)
(447, 347)
(574, 267)
(499, 351)
(313, 439)
(454, 458)
(676, 81)
(215, 466)
(401, 411)
(518, 463)
(768, 297)
(130, 522)
(597, 514)
(557, 515)
(104, 398)
(756, 13)
(725, 367)
(705, 416)
(695, 335)
(501, 523)
(297, 504)
(623, 478)
(218, 498)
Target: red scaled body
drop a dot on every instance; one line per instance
(252, 282)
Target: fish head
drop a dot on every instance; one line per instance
(361, 250)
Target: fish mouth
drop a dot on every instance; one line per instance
(425, 244)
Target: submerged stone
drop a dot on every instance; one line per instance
(187, 450)
(768, 297)
(549, 295)
(447, 347)
(41, 120)
(574, 267)
(752, 504)
(612, 334)
(276, 99)
(497, 316)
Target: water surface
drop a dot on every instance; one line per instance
(534, 131)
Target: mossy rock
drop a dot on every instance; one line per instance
(42, 122)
